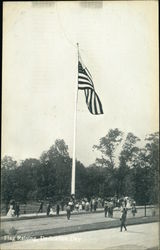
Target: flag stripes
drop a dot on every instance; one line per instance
(85, 83)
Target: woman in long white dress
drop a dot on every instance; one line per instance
(10, 211)
(51, 211)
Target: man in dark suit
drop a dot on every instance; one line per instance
(17, 209)
(105, 208)
(123, 219)
(48, 208)
(57, 209)
(41, 208)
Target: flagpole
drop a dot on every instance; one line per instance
(74, 137)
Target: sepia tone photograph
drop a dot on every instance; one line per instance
(80, 125)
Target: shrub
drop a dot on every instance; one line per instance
(12, 231)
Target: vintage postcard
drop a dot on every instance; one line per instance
(80, 131)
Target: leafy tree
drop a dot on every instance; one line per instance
(8, 163)
(8, 179)
(128, 153)
(135, 174)
(152, 147)
(117, 179)
(145, 171)
(94, 181)
(27, 179)
(8, 185)
(81, 180)
(55, 176)
(107, 147)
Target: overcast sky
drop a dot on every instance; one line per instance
(119, 45)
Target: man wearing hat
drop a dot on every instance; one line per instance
(123, 219)
(105, 208)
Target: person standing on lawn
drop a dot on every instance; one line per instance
(41, 208)
(48, 209)
(83, 205)
(123, 219)
(17, 209)
(87, 206)
(68, 209)
(105, 208)
(57, 208)
(133, 209)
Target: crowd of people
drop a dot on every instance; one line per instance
(108, 204)
(80, 205)
(72, 205)
(91, 206)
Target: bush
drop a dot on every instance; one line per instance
(12, 231)
(2, 232)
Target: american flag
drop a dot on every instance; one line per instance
(85, 83)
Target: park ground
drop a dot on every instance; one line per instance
(54, 225)
(82, 231)
(137, 237)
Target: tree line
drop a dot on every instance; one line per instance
(133, 171)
